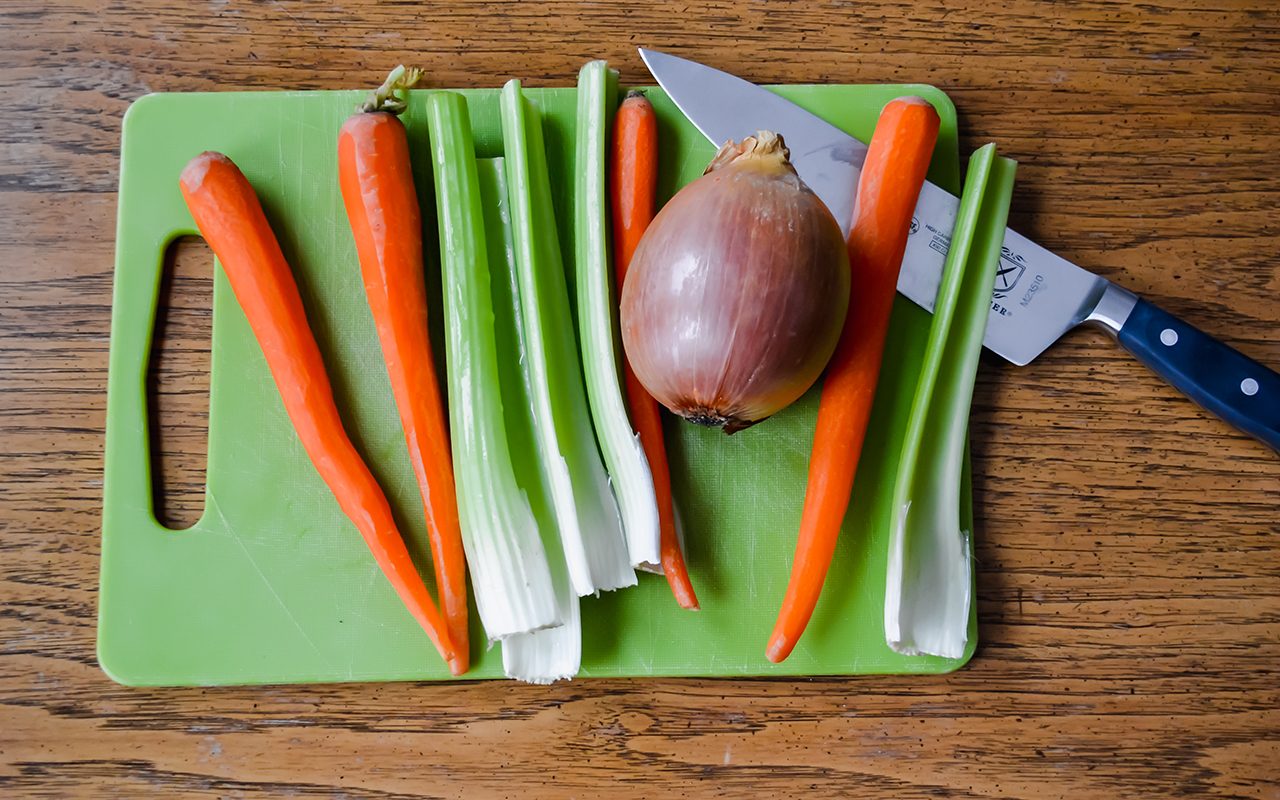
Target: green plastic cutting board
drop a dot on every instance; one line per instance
(274, 585)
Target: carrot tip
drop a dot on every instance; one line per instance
(678, 580)
(778, 650)
(194, 172)
(688, 601)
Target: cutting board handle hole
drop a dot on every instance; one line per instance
(178, 383)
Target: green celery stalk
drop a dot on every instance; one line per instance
(929, 583)
(597, 320)
(555, 653)
(508, 563)
(586, 513)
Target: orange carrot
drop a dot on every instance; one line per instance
(634, 178)
(892, 175)
(382, 206)
(231, 220)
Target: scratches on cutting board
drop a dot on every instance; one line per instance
(226, 524)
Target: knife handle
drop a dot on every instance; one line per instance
(1222, 380)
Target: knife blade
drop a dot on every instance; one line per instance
(1038, 295)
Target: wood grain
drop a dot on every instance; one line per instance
(1129, 548)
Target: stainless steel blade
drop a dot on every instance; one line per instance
(725, 107)
(1038, 295)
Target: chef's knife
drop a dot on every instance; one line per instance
(1038, 296)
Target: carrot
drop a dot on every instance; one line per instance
(231, 220)
(892, 175)
(382, 206)
(634, 178)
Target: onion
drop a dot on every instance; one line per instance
(737, 293)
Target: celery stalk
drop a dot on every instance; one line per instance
(508, 564)
(585, 510)
(597, 320)
(552, 653)
(929, 584)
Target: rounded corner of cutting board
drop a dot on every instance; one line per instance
(118, 667)
(142, 108)
(939, 98)
(963, 661)
(141, 104)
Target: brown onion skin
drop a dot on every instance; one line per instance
(737, 293)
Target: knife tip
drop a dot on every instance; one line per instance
(648, 53)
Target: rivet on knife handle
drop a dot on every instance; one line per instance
(1222, 380)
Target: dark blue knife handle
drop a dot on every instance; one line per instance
(1222, 380)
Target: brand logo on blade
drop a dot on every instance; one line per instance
(915, 225)
(1009, 272)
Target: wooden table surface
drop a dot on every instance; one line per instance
(1128, 548)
